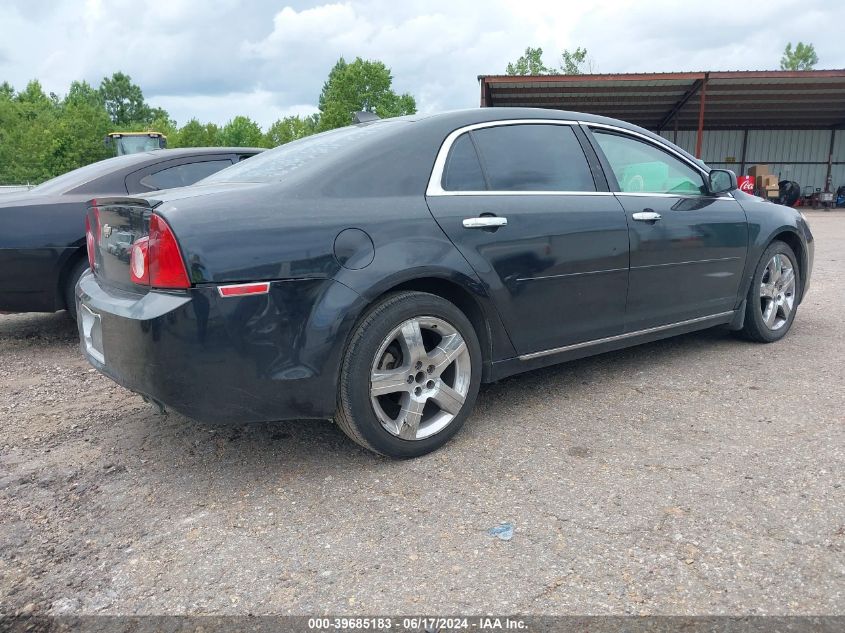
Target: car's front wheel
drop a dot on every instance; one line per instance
(410, 375)
(773, 296)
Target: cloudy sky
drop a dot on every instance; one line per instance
(213, 59)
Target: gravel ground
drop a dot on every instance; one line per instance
(694, 475)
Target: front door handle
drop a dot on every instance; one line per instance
(646, 216)
(484, 222)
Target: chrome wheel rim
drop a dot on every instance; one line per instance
(420, 378)
(777, 291)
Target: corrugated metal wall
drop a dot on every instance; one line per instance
(776, 148)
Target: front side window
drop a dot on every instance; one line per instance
(533, 157)
(640, 167)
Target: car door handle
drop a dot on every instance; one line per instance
(646, 216)
(484, 222)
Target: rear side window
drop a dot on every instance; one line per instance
(533, 157)
(463, 171)
(183, 175)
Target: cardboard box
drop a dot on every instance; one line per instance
(772, 192)
(758, 170)
(766, 181)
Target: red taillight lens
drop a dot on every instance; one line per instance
(165, 266)
(139, 268)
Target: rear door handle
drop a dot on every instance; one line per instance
(484, 222)
(646, 216)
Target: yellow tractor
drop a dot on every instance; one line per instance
(134, 142)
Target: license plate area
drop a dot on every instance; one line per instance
(92, 333)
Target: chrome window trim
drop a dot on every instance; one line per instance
(620, 337)
(435, 181)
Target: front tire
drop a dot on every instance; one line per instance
(773, 297)
(410, 375)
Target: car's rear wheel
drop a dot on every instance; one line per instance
(410, 375)
(70, 286)
(773, 296)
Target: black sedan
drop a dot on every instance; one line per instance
(378, 273)
(42, 244)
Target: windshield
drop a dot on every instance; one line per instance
(275, 164)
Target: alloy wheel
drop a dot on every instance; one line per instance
(420, 378)
(777, 291)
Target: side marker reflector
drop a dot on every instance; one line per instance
(239, 290)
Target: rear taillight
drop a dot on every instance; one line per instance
(156, 261)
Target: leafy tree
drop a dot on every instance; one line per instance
(77, 137)
(290, 129)
(83, 92)
(803, 57)
(27, 124)
(360, 86)
(124, 101)
(573, 61)
(193, 134)
(6, 91)
(531, 63)
(242, 132)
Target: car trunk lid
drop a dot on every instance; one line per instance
(115, 225)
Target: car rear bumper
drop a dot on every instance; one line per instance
(241, 359)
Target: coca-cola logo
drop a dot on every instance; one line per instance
(746, 184)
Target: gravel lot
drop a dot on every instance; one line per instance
(695, 475)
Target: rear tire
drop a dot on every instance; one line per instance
(410, 375)
(772, 300)
(76, 272)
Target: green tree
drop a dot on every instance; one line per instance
(6, 91)
(194, 134)
(803, 57)
(77, 137)
(124, 101)
(83, 92)
(290, 129)
(572, 62)
(242, 132)
(360, 86)
(531, 63)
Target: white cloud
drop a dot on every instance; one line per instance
(259, 105)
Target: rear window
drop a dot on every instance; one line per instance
(275, 164)
(183, 175)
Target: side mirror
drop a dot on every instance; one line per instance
(721, 181)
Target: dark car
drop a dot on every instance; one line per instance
(378, 273)
(42, 244)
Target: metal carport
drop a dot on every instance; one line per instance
(786, 119)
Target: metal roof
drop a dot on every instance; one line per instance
(753, 99)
